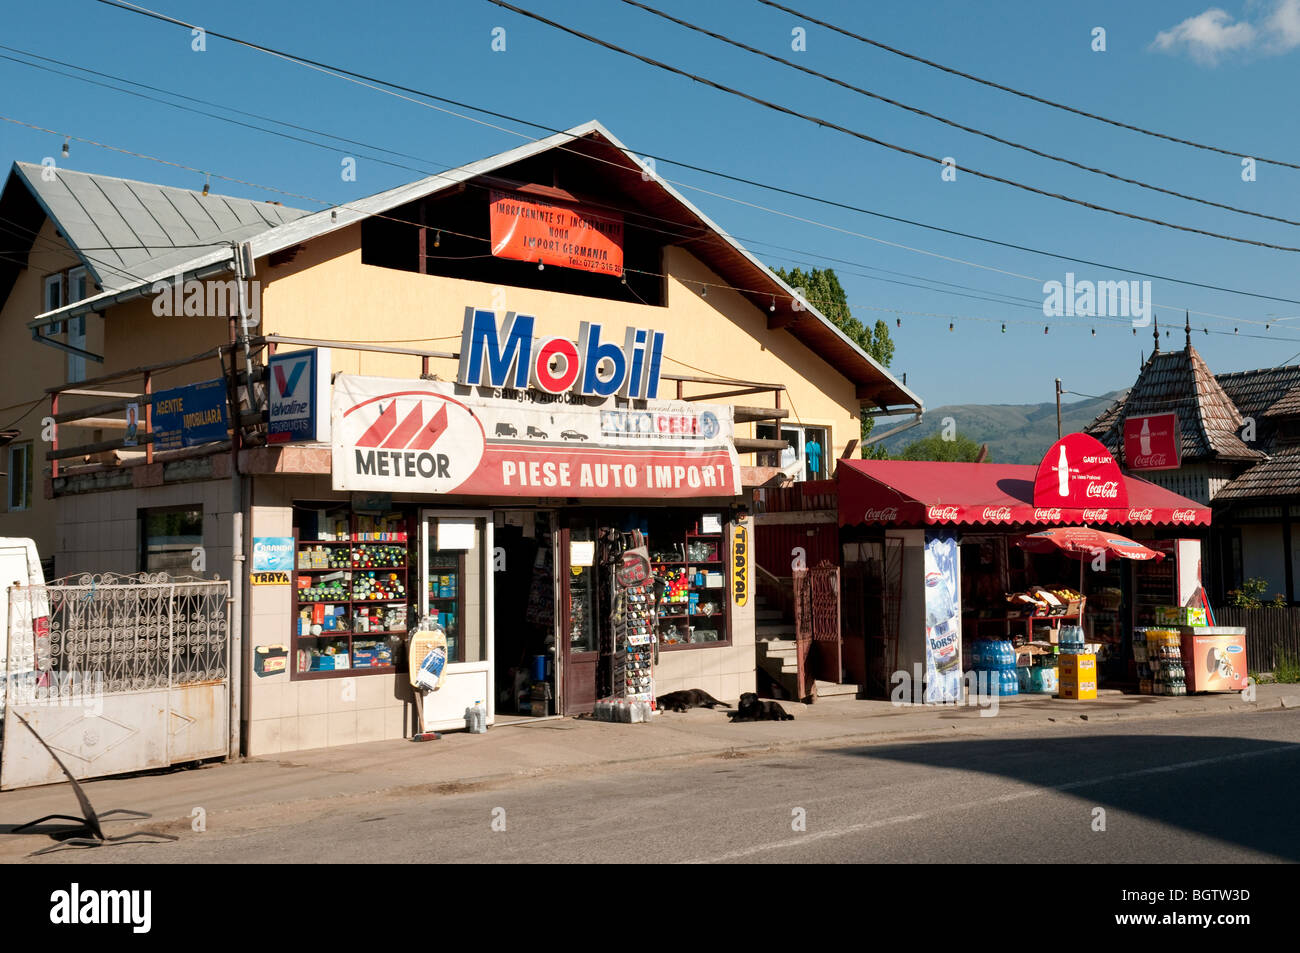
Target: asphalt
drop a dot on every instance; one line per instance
(238, 799)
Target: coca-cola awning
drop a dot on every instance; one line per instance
(911, 493)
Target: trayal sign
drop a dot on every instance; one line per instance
(506, 354)
(415, 436)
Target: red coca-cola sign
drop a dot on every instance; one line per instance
(1078, 471)
(1151, 442)
(885, 514)
(937, 513)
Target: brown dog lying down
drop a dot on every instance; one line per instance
(688, 698)
(753, 708)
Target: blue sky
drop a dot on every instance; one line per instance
(1225, 78)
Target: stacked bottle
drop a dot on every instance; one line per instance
(995, 665)
(1072, 640)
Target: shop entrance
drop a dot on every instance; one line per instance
(579, 632)
(524, 567)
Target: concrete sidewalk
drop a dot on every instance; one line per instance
(260, 792)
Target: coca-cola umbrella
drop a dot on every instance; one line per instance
(1084, 542)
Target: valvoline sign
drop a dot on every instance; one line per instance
(298, 396)
(506, 354)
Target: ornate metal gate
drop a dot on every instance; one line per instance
(117, 674)
(817, 626)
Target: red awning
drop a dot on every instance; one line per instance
(908, 493)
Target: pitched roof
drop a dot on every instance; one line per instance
(1279, 475)
(1257, 393)
(1180, 381)
(126, 231)
(723, 254)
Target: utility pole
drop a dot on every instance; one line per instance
(1058, 408)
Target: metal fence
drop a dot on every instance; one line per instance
(1270, 633)
(118, 673)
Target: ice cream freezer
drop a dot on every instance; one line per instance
(1214, 657)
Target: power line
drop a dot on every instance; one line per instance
(1236, 154)
(352, 76)
(857, 134)
(950, 122)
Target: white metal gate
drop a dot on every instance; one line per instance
(117, 674)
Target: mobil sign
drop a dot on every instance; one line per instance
(298, 395)
(506, 354)
(1151, 442)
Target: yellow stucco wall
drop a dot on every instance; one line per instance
(327, 293)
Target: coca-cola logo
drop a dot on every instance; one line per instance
(1138, 516)
(1093, 516)
(942, 512)
(1048, 514)
(885, 514)
(1150, 461)
(1107, 491)
(992, 513)
(1184, 516)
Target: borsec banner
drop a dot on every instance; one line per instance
(415, 436)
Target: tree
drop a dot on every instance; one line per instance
(821, 288)
(934, 447)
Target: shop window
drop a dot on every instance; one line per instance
(454, 584)
(168, 538)
(352, 603)
(20, 476)
(806, 456)
(688, 556)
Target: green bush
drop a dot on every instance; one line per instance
(1286, 670)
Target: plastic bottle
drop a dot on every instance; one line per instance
(476, 718)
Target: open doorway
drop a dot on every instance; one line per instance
(525, 614)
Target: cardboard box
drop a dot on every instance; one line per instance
(1077, 677)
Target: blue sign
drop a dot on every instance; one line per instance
(190, 415)
(272, 554)
(297, 405)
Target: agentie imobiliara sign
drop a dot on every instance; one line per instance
(417, 436)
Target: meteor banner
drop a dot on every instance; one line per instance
(415, 436)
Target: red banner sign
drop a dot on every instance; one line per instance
(1079, 472)
(1151, 442)
(527, 229)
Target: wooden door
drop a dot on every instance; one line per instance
(580, 627)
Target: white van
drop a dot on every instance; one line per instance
(25, 649)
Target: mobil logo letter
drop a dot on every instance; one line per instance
(605, 366)
(492, 356)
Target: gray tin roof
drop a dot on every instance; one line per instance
(127, 231)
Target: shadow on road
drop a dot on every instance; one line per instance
(1238, 790)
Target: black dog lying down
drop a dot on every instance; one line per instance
(752, 708)
(688, 698)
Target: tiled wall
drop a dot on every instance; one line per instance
(99, 532)
(286, 715)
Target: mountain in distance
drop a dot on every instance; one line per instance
(1015, 433)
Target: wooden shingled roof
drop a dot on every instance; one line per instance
(1180, 381)
(1279, 475)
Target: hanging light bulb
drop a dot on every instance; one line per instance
(437, 238)
(1135, 331)
(206, 186)
(772, 306)
(1234, 330)
(334, 215)
(65, 148)
(541, 266)
(949, 325)
(1094, 332)
(1004, 327)
(704, 291)
(1265, 328)
(1044, 329)
(623, 278)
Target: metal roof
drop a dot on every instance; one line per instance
(729, 259)
(127, 232)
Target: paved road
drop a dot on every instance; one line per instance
(1208, 789)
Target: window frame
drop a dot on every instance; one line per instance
(25, 447)
(142, 546)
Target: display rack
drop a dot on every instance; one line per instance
(633, 621)
(351, 581)
(446, 597)
(693, 610)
